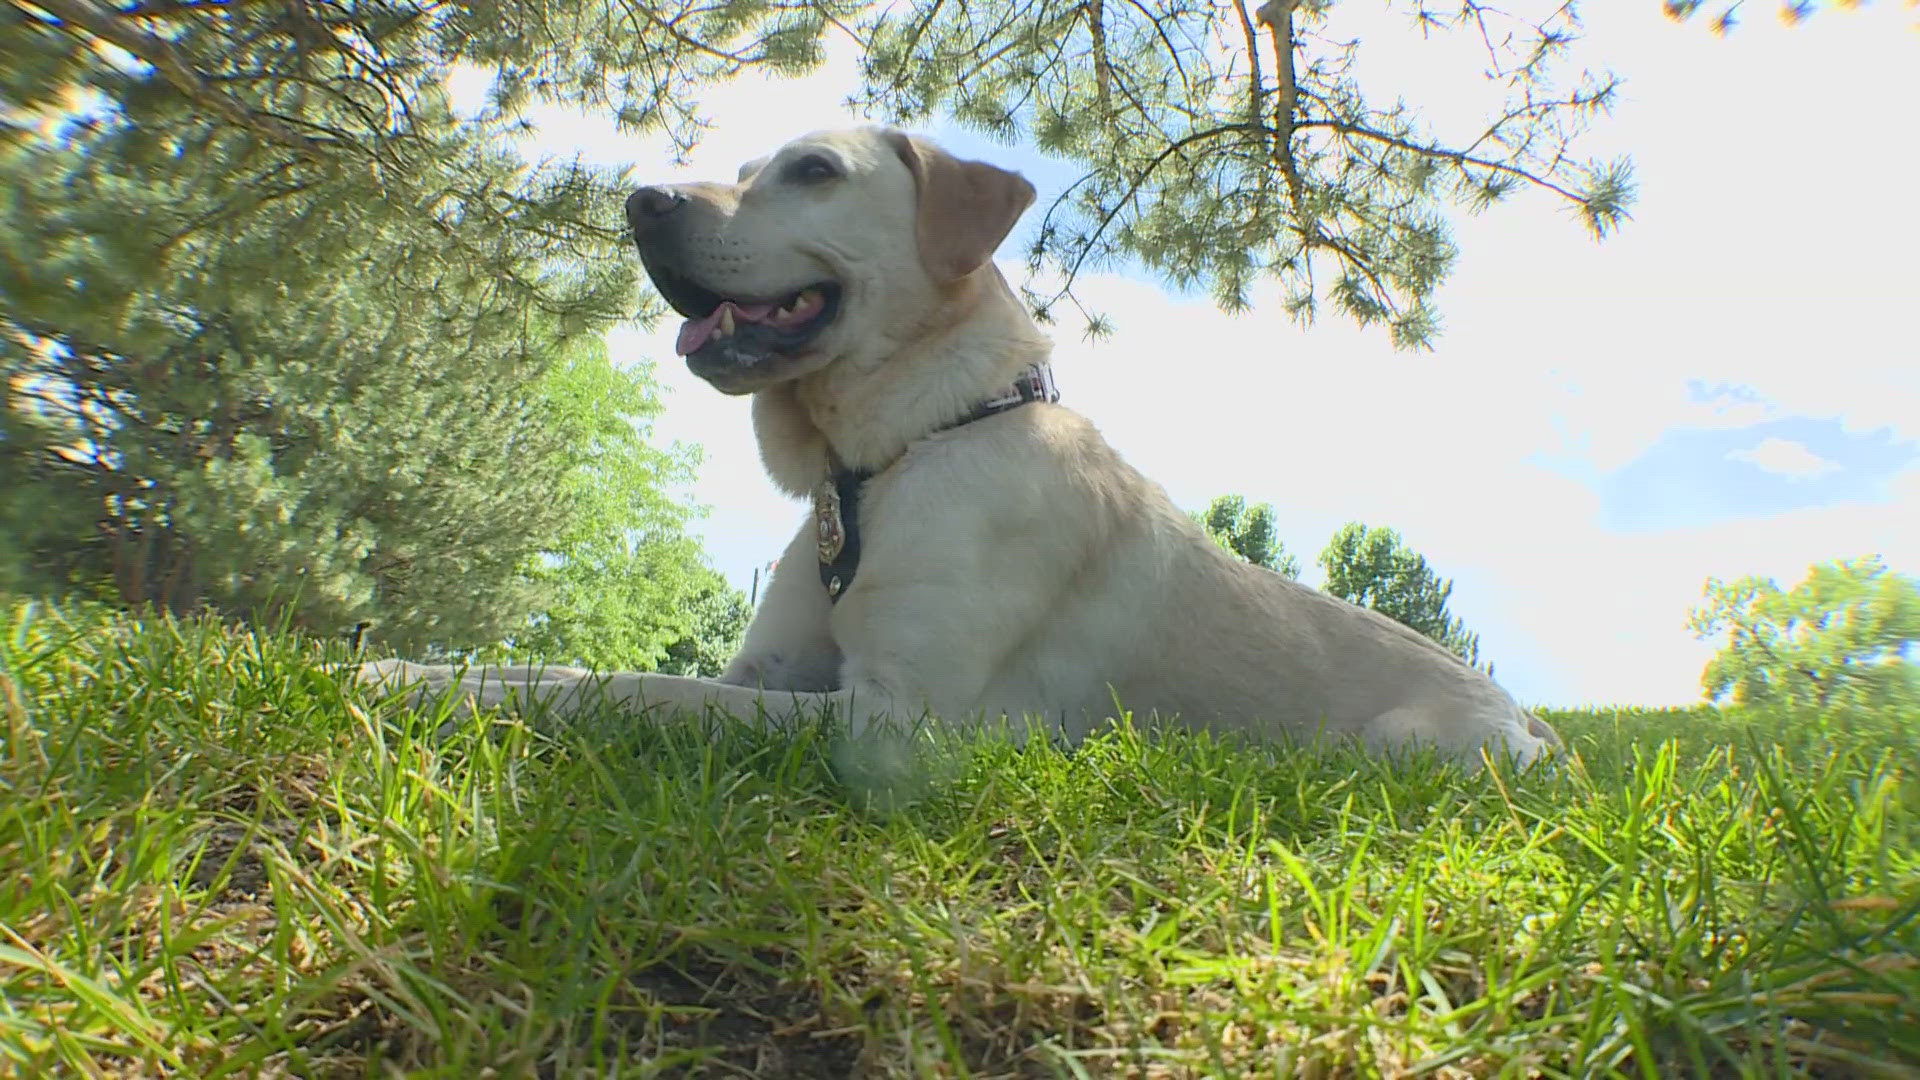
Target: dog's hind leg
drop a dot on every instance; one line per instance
(1461, 735)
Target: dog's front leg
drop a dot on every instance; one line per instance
(572, 692)
(567, 693)
(480, 687)
(789, 645)
(788, 648)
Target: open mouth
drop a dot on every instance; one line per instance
(740, 331)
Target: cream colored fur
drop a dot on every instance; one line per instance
(1012, 566)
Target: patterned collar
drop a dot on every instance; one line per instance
(836, 499)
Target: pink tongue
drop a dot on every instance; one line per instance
(697, 332)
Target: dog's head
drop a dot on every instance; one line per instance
(837, 244)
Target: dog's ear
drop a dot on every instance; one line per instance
(966, 207)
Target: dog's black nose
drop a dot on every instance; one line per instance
(650, 204)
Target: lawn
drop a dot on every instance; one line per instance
(215, 861)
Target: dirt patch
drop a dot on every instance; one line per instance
(231, 863)
(738, 1021)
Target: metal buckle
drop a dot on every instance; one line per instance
(830, 532)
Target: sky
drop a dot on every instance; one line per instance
(1728, 386)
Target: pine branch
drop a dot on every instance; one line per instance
(167, 9)
(105, 25)
(1256, 84)
(1138, 181)
(913, 41)
(1277, 17)
(1102, 68)
(1173, 53)
(671, 27)
(1458, 157)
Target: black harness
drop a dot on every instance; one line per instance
(836, 500)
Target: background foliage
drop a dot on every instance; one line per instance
(1842, 639)
(1371, 567)
(283, 336)
(1374, 568)
(1249, 532)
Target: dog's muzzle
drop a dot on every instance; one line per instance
(733, 341)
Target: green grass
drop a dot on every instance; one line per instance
(216, 862)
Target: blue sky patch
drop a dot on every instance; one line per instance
(1693, 477)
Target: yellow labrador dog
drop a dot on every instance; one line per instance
(974, 549)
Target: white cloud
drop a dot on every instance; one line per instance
(1785, 457)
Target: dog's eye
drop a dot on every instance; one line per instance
(811, 169)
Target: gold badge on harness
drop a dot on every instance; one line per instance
(830, 533)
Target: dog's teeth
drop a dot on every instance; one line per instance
(726, 323)
(801, 300)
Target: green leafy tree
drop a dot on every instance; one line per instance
(1842, 638)
(1249, 532)
(1374, 568)
(623, 584)
(719, 616)
(644, 604)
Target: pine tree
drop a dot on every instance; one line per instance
(276, 326)
(304, 412)
(1223, 144)
(1374, 568)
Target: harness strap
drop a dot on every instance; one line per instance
(836, 499)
